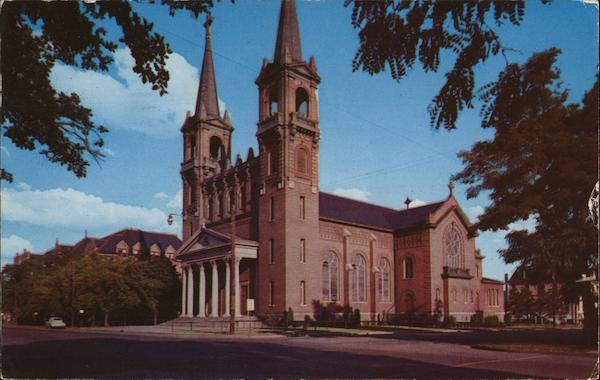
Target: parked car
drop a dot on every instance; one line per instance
(55, 323)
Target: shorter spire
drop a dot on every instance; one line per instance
(207, 103)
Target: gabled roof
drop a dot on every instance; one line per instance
(62, 248)
(362, 213)
(413, 217)
(132, 236)
(206, 239)
(80, 247)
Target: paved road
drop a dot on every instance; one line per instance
(42, 353)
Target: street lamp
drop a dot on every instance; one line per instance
(170, 218)
(81, 311)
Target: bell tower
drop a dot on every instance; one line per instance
(206, 142)
(288, 136)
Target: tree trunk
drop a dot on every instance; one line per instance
(105, 318)
(155, 317)
(590, 316)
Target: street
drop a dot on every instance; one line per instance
(37, 352)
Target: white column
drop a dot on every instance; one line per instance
(190, 292)
(202, 293)
(214, 312)
(227, 288)
(236, 269)
(183, 284)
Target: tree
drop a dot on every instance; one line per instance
(521, 303)
(395, 34)
(539, 166)
(37, 35)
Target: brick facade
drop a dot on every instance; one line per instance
(355, 253)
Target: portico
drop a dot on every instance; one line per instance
(207, 267)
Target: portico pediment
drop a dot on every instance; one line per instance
(207, 244)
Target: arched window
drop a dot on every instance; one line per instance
(453, 248)
(302, 101)
(330, 277)
(273, 101)
(408, 268)
(302, 161)
(383, 281)
(216, 148)
(358, 279)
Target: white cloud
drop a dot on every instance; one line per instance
(4, 150)
(23, 186)
(417, 203)
(128, 103)
(354, 193)
(108, 152)
(11, 245)
(176, 201)
(77, 210)
(474, 212)
(162, 196)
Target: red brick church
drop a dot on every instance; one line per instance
(294, 243)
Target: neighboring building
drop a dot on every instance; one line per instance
(571, 312)
(56, 250)
(295, 244)
(126, 242)
(20, 258)
(131, 242)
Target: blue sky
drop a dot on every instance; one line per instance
(376, 141)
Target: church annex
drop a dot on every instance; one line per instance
(295, 244)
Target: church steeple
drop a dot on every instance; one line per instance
(287, 47)
(207, 104)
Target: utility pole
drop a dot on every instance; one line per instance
(232, 263)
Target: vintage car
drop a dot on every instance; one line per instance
(55, 323)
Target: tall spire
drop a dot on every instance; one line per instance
(207, 103)
(287, 47)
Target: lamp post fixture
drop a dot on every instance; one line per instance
(170, 218)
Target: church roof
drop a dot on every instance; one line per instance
(287, 47)
(352, 211)
(207, 104)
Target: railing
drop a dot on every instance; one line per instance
(449, 272)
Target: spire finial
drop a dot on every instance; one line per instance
(407, 202)
(451, 188)
(208, 24)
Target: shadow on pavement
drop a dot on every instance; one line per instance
(124, 358)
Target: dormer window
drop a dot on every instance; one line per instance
(137, 248)
(154, 250)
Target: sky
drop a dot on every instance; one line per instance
(376, 142)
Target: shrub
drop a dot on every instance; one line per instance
(491, 321)
(290, 317)
(477, 318)
(450, 321)
(356, 318)
(507, 318)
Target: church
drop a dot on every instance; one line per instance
(293, 244)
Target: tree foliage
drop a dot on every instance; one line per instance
(38, 35)
(540, 165)
(103, 286)
(397, 34)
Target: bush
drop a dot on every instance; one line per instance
(492, 321)
(477, 318)
(507, 318)
(356, 318)
(450, 321)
